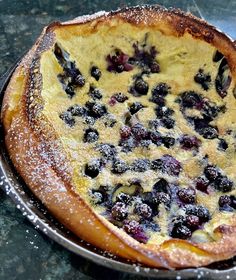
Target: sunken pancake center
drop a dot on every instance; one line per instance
(148, 123)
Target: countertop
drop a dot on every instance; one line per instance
(26, 253)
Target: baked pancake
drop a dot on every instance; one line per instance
(123, 125)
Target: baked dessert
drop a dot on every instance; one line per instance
(123, 125)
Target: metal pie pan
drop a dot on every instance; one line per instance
(42, 220)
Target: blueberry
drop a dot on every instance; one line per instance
(212, 111)
(192, 221)
(108, 151)
(119, 167)
(189, 142)
(79, 80)
(203, 79)
(191, 99)
(97, 197)
(141, 87)
(187, 195)
(168, 123)
(119, 211)
(128, 144)
(91, 135)
(148, 198)
(138, 233)
(161, 186)
(233, 201)
(96, 72)
(123, 197)
(96, 110)
(161, 89)
(158, 99)
(163, 111)
(125, 132)
(168, 141)
(131, 227)
(224, 201)
(181, 232)
(95, 93)
(140, 165)
(154, 124)
(222, 146)
(92, 169)
(139, 131)
(70, 90)
(155, 137)
(118, 62)
(154, 67)
(89, 120)
(211, 172)
(178, 220)
(145, 58)
(170, 165)
(120, 97)
(119, 68)
(110, 120)
(145, 143)
(77, 110)
(157, 164)
(143, 210)
(198, 210)
(162, 197)
(67, 118)
(223, 184)
(202, 184)
(200, 123)
(208, 132)
(135, 107)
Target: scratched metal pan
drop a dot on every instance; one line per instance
(41, 219)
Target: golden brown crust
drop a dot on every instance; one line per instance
(39, 158)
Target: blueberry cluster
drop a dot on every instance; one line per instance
(189, 142)
(90, 112)
(71, 76)
(193, 100)
(194, 216)
(95, 73)
(138, 135)
(145, 58)
(134, 212)
(117, 97)
(95, 93)
(118, 62)
(140, 87)
(163, 113)
(213, 177)
(167, 164)
(108, 154)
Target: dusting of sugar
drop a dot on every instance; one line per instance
(56, 154)
(88, 17)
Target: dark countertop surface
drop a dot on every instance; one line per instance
(25, 253)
